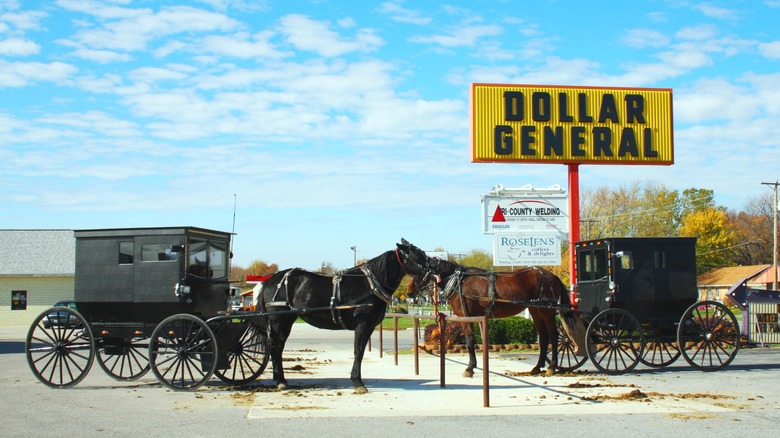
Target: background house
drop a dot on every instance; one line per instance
(37, 269)
(714, 284)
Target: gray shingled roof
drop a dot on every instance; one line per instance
(37, 252)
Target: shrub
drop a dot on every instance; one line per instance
(453, 336)
(515, 330)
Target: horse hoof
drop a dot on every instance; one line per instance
(468, 373)
(550, 372)
(281, 386)
(535, 371)
(361, 390)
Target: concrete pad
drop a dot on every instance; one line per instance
(320, 388)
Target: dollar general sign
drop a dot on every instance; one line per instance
(573, 125)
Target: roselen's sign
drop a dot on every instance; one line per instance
(572, 125)
(526, 250)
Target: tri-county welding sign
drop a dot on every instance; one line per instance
(537, 214)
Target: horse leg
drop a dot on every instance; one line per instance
(468, 331)
(552, 329)
(544, 340)
(279, 330)
(363, 333)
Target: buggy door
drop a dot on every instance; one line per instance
(593, 278)
(158, 269)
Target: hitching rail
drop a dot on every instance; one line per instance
(442, 319)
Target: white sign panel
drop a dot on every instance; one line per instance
(532, 213)
(541, 249)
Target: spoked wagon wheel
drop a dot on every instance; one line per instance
(659, 352)
(708, 335)
(247, 359)
(124, 359)
(183, 352)
(615, 341)
(60, 347)
(567, 360)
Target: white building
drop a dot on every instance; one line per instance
(37, 269)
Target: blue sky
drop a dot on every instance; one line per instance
(333, 124)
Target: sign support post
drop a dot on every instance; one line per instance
(574, 216)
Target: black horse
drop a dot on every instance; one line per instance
(354, 300)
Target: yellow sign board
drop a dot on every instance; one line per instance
(553, 124)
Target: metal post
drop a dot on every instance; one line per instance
(574, 217)
(774, 250)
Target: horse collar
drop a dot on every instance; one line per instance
(374, 285)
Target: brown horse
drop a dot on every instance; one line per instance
(477, 292)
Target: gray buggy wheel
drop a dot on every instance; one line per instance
(615, 341)
(567, 360)
(183, 352)
(125, 362)
(708, 335)
(60, 348)
(247, 359)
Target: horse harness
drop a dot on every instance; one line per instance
(455, 285)
(336, 303)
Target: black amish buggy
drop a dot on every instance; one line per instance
(638, 302)
(160, 299)
(142, 296)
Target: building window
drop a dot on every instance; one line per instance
(18, 300)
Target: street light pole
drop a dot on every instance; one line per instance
(774, 251)
(354, 255)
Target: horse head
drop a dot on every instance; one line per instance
(413, 259)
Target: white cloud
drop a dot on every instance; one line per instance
(698, 33)
(641, 38)
(317, 36)
(18, 47)
(713, 11)
(770, 50)
(127, 29)
(460, 36)
(242, 45)
(17, 74)
(396, 12)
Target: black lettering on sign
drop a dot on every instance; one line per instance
(513, 106)
(602, 141)
(628, 143)
(540, 106)
(635, 108)
(527, 139)
(553, 141)
(648, 146)
(502, 140)
(608, 109)
(577, 141)
(582, 108)
(563, 108)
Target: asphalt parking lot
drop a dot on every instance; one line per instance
(742, 400)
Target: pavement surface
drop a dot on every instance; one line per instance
(742, 400)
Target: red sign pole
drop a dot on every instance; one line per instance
(574, 216)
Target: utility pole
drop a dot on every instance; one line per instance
(774, 251)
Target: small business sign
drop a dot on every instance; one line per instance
(542, 249)
(525, 210)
